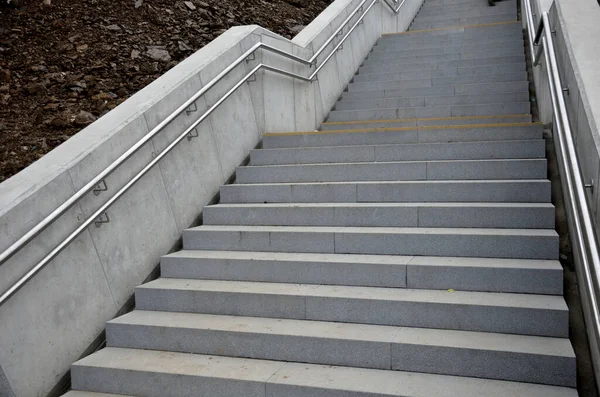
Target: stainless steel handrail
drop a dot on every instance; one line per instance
(48, 220)
(581, 224)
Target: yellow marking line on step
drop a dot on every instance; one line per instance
(507, 116)
(479, 25)
(391, 129)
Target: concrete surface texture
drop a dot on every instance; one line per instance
(56, 317)
(406, 248)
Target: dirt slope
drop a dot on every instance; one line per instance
(64, 65)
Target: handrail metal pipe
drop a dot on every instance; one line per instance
(583, 231)
(588, 222)
(44, 223)
(397, 9)
(334, 50)
(313, 59)
(530, 28)
(60, 247)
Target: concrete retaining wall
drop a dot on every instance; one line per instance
(578, 53)
(51, 322)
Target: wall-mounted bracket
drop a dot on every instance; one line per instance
(101, 187)
(102, 219)
(251, 79)
(251, 58)
(590, 186)
(191, 109)
(193, 134)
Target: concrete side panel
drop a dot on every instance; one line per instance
(280, 109)
(233, 122)
(192, 170)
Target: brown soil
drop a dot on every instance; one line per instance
(66, 64)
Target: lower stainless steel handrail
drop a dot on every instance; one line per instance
(20, 243)
(581, 225)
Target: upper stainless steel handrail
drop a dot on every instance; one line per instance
(581, 224)
(48, 220)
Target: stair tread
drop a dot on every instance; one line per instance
(374, 259)
(524, 344)
(323, 377)
(372, 230)
(493, 299)
(375, 205)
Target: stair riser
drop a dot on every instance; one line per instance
(441, 5)
(529, 281)
(437, 73)
(449, 151)
(460, 37)
(391, 65)
(449, 49)
(380, 58)
(550, 370)
(418, 24)
(351, 353)
(328, 273)
(447, 90)
(443, 122)
(525, 321)
(376, 84)
(290, 348)
(449, 217)
(400, 171)
(384, 44)
(442, 135)
(415, 276)
(428, 14)
(389, 103)
(528, 192)
(160, 384)
(434, 111)
(378, 243)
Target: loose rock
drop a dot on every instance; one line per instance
(158, 54)
(84, 118)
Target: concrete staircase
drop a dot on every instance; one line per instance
(406, 249)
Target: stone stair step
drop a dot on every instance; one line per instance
(466, 242)
(510, 120)
(385, 42)
(483, 355)
(525, 314)
(434, 14)
(462, 21)
(436, 42)
(449, 49)
(543, 277)
(440, 215)
(166, 374)
(365, 75)
(78, 393)
(466, 31)
(397, 152)
(394, 59)
(398, 170)
(379, 84)
(403, 135)
(511, 191)
(387, 103)
(388, 67)
(432, 111)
